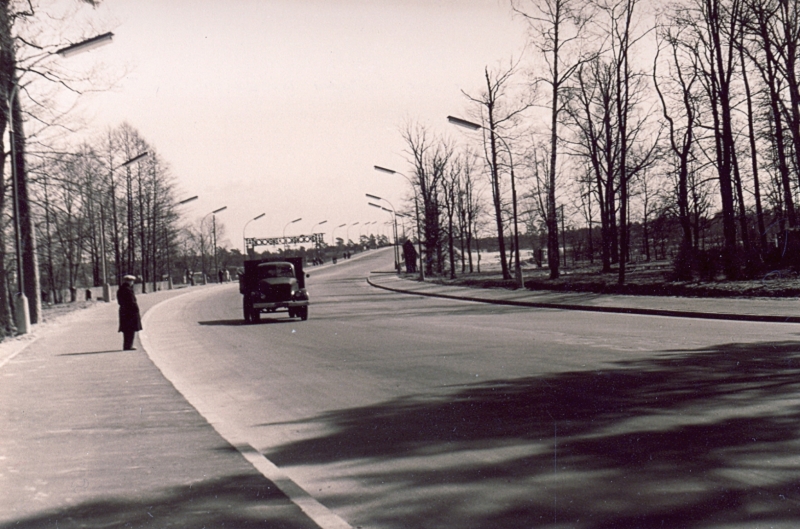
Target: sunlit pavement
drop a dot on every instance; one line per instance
(91, 436)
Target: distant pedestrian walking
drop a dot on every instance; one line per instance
(410, 254)
(129, 319)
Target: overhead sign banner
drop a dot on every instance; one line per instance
(314, 238)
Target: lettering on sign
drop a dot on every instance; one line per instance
(314, 238)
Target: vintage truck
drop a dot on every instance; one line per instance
(267, 285)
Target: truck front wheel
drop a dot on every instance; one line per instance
(303, 313)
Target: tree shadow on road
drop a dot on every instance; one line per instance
(684, 439)
(238, 501)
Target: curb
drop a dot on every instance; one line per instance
(613, 310)
(303, 499)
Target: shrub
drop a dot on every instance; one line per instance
(709, 264)
(683, 265)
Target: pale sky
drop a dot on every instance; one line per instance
(283, 106)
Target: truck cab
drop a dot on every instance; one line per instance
(269, 285)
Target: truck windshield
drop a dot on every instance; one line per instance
(278, 270)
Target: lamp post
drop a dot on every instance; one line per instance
(333, 235)
(68, 51)
(202, 244)
(106, 288)
(369, 233)
(129, 220)
(402, 224)
(285, 244)
(475, 126)
(316, 245)
(214, 234)
(394, 219)
(24, 238)
(244, 230)
(563, 235)
(320, 223)
(22, 315)
(347, 233)
(416, 208)
(393, 225)
(166, 243)
(360, 229)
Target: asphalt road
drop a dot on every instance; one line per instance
(397, 411)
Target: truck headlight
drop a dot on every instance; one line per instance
(301, 294)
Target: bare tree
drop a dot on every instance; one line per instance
(451, 187)
(715, 25)
(556, 26)
(430, 159)
(27, 52)
(469, 208)
(499, 118)
(762, 46)
(682, 74)
(593, 117)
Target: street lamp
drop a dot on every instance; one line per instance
(347, 233)
(314, 227)
(403, 218)
(130, 220)
(394, 218)
(244, 239)
(563, 234)
(316, 244)
(474, 126)
(386, 170)
(368, 234)
(214, 236)
(285, 244)
(393, 224)
(103, 266)
(166, 242)
(24, 238)
(333, 235)
(86, 45)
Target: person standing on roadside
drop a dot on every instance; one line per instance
(129, 320)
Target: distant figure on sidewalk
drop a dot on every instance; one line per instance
(129, 319)
(410, 254)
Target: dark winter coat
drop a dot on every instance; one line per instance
(129, 319)
(410, 253)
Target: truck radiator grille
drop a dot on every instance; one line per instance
(277, 292)
(283, 292)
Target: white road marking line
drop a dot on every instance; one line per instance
(315, 510)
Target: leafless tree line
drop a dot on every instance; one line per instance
(88, 202)
(82, 210)
(681, 119)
